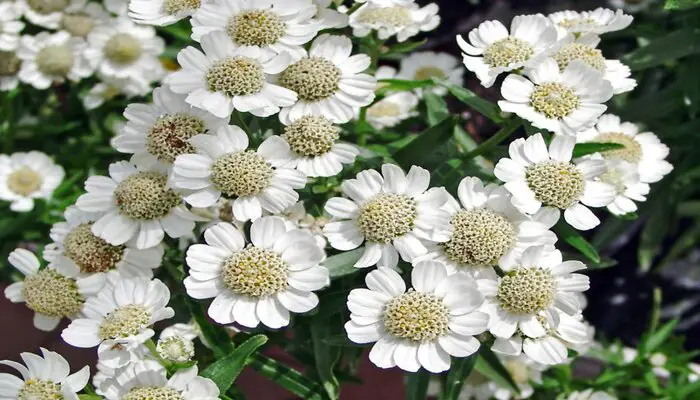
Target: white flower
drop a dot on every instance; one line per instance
(403, 19)
(223, 166)
(77, 247)
(161, 12)
(118, 320)
(135, 205)
(538, 177)
(227, 77)
(52, 58)
(426, 65)
(487, 230)
(259, 282)
(122, 49)
(44, 377)
(492, 50)
(81, 17)
(392, 110)
(643, 149)
(118, 7)
(10, 65)
(631, 6)
(561, 101)
(395, 214)
(110, 88)
(624, 177)
(28, 176)
(10, 26)
(53, 293)
(599, 21)
(314, 145)
(328, 81)
(157, 133)
(590, 394)
(297, 217)
(276, 25)
(421, 327)
(46, 13)
(175, 343)
(522, 370)
(329, 18)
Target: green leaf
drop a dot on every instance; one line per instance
(681, 4)
(326, 357)
(488, 365)
(343, 264)
(657, 338)
(582, 149)
(401, 85)
(286, 377)
(89, 397)
(406, 47)
(417, 384)
(510, 126)
(415, 153)
(227, 369)
(436, 108)
(572, 237)
(673, 46)
(215, 335)
(480, 105)
(657, 226)
(460, 369)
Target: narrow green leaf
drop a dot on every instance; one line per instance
(326, 357)
(670, 47)
(657, 226)
(510, 126)
(402, 85)
(459, 371)
(681, 4)
(89, 397)
(286, 377)
(572, 237)
(215, 335)
(657, 338)
(226, 370)
(480, 105)
(417, 384)
(406, 47)
(415, 153)
(686, 391)
(488, 365)
(343, 264)
(582, 149)
(436, 108)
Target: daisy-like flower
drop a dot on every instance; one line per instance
(46, 13)
(392, 110)
(77, 247)
(110, 88)
(157, 133)
(175, 343)
(427, 65)
(28, 176)
(393, 213)
(590, 394)
(53, 293)
(328, 17)
(118, 320)
(539, 177)
(44, 377)
(224, 167)
(81, 17)
(599, 21)
(314, 145)
(584, 48)
(403, 19)
(227, 77)
(641, 148)
(118, 7)
(10, 65)
(487, 230)
(135, 205)
(52, 58)
(161, 12)
(328, 81)
(492, 50)
(421, 327)
(297, 217)
(10, 26)
(561, 101)
(123, 49)
(624, 177)
(262, 281)
(523, 371)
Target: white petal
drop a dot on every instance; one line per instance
(458, 345)
(547, 351)
(386, 281)
(427, 275)
(433, 358)
(580, 217)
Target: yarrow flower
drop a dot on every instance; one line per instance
(392, 110)
(175, 343)
(118, 320)
(404, 19)
(563, 101)
(624, 177)
(10, 26)
(425, 65)
(590, 394)
(25, 177)
(421, 327)
(46, 13)
(224, 168)
(81, 17)
(393, 213)
(539, 177)
(262, 281)
(161, 12)
(10, 65)
(599, 21)
(52, 58)
(135, 205)
(523, 370)
(492, 50)
(327, 17)
(44, 377)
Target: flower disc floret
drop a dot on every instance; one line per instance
(526, 290)
(124, 321)
(56, 60)
(555, 184)
(175, 7)
(78, 24)
(24, 181)
(175, 349)
(236, 76)
(89, 252)
(45, 7)
(49, 293)
(169, 137)
(386, 217)
(383, 109)
(9, 63)
(256, 28)
(577, 23)
(507, 51)
(590, 56)
(144, 196)
(631, 152)
(123, 49)
(480, 237)
(312, 78)
(37, 389)
(244, 173)
(428, 72)
(311, 136)
(554, 100)
(152, 393)
(395, 16)
(255, 272)
(416, 316)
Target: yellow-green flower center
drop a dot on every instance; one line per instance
(245, 173)
(614, 178)
(554, 100)
(174, 7)
(237, 76)
(152, 393)
(386, 217)
(312, 78)
(311, 136)
(256, 28)
(395, 16)
(480, 237)
(383, 109)
(144, 196)
(428, 72)
(123, 49)
(508, 51)
(9, 63)
(575, 24)
(78, 24)
(37, 389)
(418, 317)
(49, 293)
(89, 252)
(590, 56)
(170, 136)
(24, 181)
(175, 349)
(632, 152)
(255, 272)
(55, 60)
(526, 290)
(125, 321)
(45, 7)
(556, 184)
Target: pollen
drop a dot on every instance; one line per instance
(170, 136)
(386, 217)
(395, 16)
(49, 293)
(256, 28)
(125, 321)
(508, 51)
(554, 100)
(24, 181)
(236, 76)
(255, 272)
(152, 393)
(555, 183)
(244, 173)
(89, 252)
(55, 60)
(480, 237)
(631, 152)
(37, 389)
(312, 78)
(415, 316)
(123, 49)
(175, 349)
(144, 196)
(526, 290)
(590, 56)
(311, 136)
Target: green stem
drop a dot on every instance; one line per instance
(152, 347)
(655, 310)
(510, 127)
(287, 377)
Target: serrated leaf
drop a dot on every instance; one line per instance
(673, 46)
(343, 264)
(574, 238)
(418, 149)
(488, 365)
(224, 371)
(417, 384)
(583, 149)
(480, 105)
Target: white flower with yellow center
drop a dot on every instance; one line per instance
(135, 206)
(328, 81)
(110, 88)
(328, 17)
(643, 149)
(561, 101)
(10, 26)
(28, 176)
(297, 217)
(10, 65)
(599, 21)
(43, 378)
(53, 293)
(624, 177)
(52, 58)
(46, 13)
(487, 230)
(262, 281)
(538, 177)
(228, 77)
(426, 65)
(590, 394)
(492, 50)
(118, 320)
(392, 110)
(315, 146)
(81, 17)
(423, 327)
(255, 180)
(393, 213)
(400, 19)
(161, 12)
(175, 343)
(158, 132)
